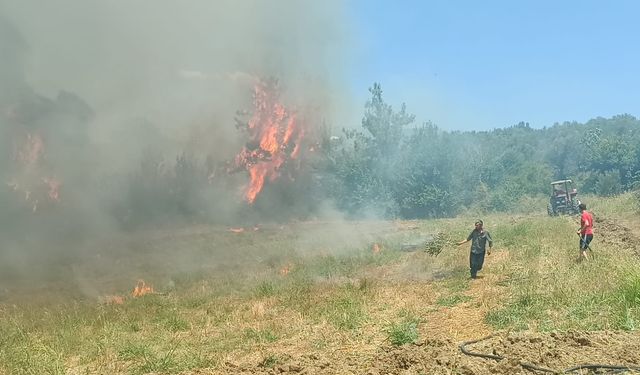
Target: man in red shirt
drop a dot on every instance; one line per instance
(585, 231)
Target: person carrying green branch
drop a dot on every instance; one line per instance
(479, 239)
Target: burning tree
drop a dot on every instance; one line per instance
(275, 139)
(31, 181)
(43, 141)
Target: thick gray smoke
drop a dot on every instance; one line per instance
(101, 99)
(177, 65)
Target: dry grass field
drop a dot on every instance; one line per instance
(331, 298)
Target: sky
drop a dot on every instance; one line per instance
(461, 64)
(480, 65)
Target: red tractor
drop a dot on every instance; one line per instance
(563, 200)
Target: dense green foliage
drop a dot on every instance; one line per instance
(395, 167)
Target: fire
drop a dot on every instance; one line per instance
(236, 230)
(29, 156)
(275, 135)
(141, 289)
(284, 271)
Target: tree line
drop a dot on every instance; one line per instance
(388, 167)
(397, 168)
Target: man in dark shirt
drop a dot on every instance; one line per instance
(479, 238)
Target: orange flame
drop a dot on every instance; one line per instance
(284, 271)
(141, 289)
(275, 137)
(236, 230)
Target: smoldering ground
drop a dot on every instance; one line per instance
(118, 114)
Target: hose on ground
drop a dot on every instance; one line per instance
(532, 367)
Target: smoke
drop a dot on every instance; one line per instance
(108, 98)
(178, 65)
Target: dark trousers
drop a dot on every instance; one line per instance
(475, 263)
(585, 240)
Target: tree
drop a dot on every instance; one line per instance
(366, 163)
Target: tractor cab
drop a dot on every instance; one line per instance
(563, 198)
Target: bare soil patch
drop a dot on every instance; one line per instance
(555, 351)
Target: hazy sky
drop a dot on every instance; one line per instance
(490, 64)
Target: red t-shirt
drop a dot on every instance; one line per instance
(586, 221)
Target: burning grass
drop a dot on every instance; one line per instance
(260, 298)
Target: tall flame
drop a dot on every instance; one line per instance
(275, 135)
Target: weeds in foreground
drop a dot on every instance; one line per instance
(628, 297)
(403, 332)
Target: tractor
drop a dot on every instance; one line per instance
(563, 200)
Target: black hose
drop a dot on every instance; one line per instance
(604, 367)
(463, 348)
(528, 366)
(532, 367)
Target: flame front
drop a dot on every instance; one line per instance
(141, 289)
(274, 138)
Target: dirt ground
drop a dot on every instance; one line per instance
(566, 352)
(617, 233)
(553, 351)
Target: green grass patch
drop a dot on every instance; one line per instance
(628, 298)
(405, 329)
(517, 314)
(175, 323)
(134, 351)
(458, 281)
(158, 362)
(452, 300)
(260, 336)
(404, 332)
(345, 309)
(265, 289)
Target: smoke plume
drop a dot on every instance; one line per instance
(108, 107)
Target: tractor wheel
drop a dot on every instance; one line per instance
(576, 207)
(550, 210)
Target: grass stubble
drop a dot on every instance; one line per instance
(263, 296)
